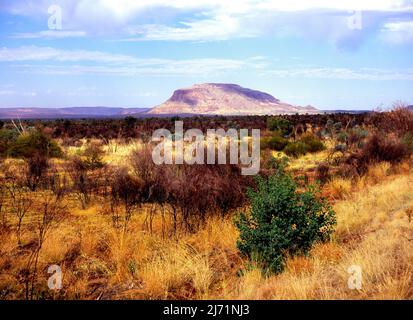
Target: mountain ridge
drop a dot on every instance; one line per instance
(200, 99)
(225, 99)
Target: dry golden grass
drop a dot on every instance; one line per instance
(339, 188)
(115, 152)
(310, 160)
(374, 231)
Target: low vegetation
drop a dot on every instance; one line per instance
(334, 191)
(282, 222)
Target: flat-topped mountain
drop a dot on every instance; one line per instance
(225, 99)
(200, 99)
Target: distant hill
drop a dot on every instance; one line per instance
(225, 99)
(344, 111)
(66, 113)
(200, 99)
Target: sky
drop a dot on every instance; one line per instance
(331, 54)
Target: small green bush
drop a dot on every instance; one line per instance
(94, 156)
(329, 127)
(342, 137)
(275, 142)
(313, 143)
(7, 138)
(296, 149)
(407, 140)
(271, 163)
(34, 142)
(356, 136)
(282, 126)
(282, 222)
(308, 143)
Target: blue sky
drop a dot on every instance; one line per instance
(329, 54)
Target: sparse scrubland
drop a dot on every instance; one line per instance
(334, 192)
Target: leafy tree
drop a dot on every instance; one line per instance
(282, 222)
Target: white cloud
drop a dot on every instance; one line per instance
(34, 53)
(195, 67)
(69, 62)
(16, 93)
(203, 20)
(348, 5)
(30, 94)
(126, 9)
(220, 27)
(47, 60)
(7, 92)
(372, 74)
(398, 32)
(49, 34)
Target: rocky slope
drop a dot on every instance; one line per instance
(225, 99)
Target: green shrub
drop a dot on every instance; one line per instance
(94, 156)
(308, 143)
(271, 163)
(296, 149)
(276, 143)
(313, 143)
(265, 143)
(282, 222)
(407, 140)
(329, 127)
(34, 142)
(130, 121)
(340, 147)
(356, 136)
(342, 137)
(7, 138)
(282, 126)
(337, 126)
